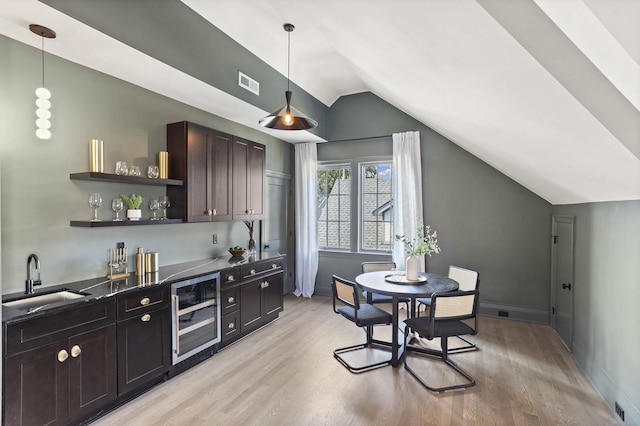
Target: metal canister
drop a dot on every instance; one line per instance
(151, 261)
(140, 262)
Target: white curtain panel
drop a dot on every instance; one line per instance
(407, 191)
(306, 221)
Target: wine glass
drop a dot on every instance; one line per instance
(154, 205)
(116, 206)
(134, 171)
(95, 201)
(121, 168)
(152, 172)
(164, 205)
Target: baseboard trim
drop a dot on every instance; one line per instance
(538, 316)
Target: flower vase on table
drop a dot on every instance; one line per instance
(413, 267)
(425, 243)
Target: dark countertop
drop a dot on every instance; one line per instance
(100, 288)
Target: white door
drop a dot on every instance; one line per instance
(562, 285)
(278, 232)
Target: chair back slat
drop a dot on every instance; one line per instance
(467, 278)
(461, 305)
(345, 291)
(377, 266)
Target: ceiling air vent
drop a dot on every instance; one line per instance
(248, 83)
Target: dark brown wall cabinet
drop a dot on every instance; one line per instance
(202, 157)
(60, 368)
(223, 175)
(144, 337)
(248, 179)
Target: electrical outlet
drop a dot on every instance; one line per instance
(215, 238)
(619, 411)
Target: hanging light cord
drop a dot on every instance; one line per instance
(288, 57)
(42, 50)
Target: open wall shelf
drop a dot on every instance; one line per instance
(139, 180)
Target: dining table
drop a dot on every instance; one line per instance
(395, 284)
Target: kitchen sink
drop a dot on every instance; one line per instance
(31, 302)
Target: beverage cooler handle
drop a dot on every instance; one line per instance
(176, 319)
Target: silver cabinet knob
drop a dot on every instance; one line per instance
(76, 351)
(264, 284)
(209, 212)
(230, 278)
(145, 318)
(274, 266)
(63, 355)
(231, 326)
(253, 272)
(231, 299)
(215, 213)
(145, 301)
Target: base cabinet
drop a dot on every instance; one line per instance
(251, 297)
(144, 337)
(63, 382)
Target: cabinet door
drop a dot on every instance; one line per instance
(220, 148)
(240, 181)
(251, 305)
(198, 174)
(273, 295)
(248, 179)
(92, 371)
(144, 348)
(255, 177)
(36, 387)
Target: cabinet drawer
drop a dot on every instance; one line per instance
(230, 299)
(230, 326)
(230, 277)
(40, 331)
(261, 268)
(144, 300)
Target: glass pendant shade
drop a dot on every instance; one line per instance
(288, 118)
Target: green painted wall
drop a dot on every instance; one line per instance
(189, 43)
(38, 198)
(485, 220)
(606, 292)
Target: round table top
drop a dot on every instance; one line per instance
(375, 282)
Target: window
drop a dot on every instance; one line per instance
(366, 185)
(334, 206)
(377, 207)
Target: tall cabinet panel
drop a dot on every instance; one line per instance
(202, 158)
(248, 179)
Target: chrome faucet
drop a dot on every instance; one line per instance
(30, 283)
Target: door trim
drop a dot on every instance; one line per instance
(570, 220)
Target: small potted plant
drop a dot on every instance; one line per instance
(425, 243)
(133, 204)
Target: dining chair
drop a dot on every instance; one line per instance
(448, 317)
(376, 297)
(467, 280)
(365, 356)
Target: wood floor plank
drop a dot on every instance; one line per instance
(285, 374)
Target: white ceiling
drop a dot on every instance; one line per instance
(546, 91)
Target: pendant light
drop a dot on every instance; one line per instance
(43, 95)
(288, 117)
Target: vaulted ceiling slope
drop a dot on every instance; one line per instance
(546, 91)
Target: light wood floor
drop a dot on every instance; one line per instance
(285, 374)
